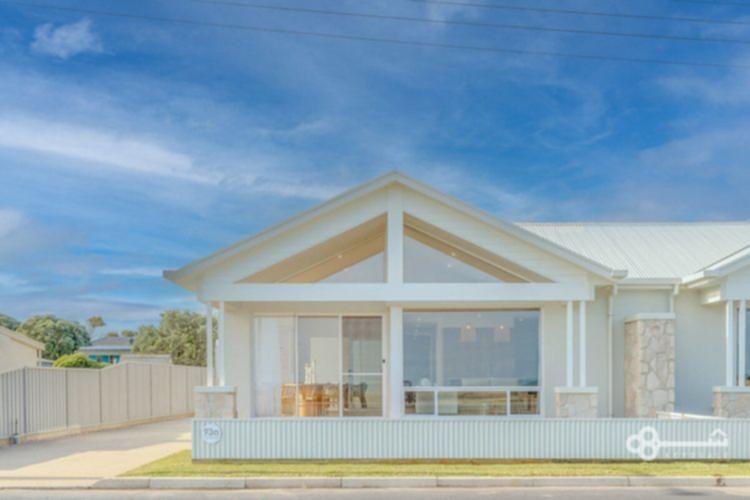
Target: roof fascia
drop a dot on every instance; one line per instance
(515, 230)
(179, 275)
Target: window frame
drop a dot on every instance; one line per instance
(340, 338)
(507, 389)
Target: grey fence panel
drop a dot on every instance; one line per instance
(139, 391)
(179, 383)
(197, 377)
(13, 407)
(114, 394)
(46, 401)
(84, 397)
(160, 390)
(36, 400)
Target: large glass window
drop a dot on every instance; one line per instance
(471, 362)
(312, 366)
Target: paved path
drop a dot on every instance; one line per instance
(80, 460)
(399, 494)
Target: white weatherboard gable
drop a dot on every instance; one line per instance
(370, 201)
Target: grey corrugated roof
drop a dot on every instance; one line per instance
(649, 250)
(113, 341)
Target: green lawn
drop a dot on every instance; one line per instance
(181, 465)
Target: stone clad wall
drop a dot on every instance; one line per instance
(649, 365)
(732, 402)
(576, 403)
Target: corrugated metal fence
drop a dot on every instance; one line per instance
(34, 400)
(456, 438)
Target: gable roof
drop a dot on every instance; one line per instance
(723, 267)
(21, 338)
(184, 275)
(668, 251)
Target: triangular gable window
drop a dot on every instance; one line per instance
(369, 270)
(424, 263)
(354, 256)
(432, 255)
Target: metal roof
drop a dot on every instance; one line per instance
(649, 250)
(112, 342)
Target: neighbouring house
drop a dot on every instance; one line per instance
(108, 349)
(18, 351)
(396, 302)
(156, 359)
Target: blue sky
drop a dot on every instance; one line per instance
(129, 146)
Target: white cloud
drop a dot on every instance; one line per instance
(146, 272)
(67, 40)
(10, 281)
(10, 220)
(733, 88)
(720, 152)
(95, 148)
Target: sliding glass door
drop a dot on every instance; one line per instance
(318, 366)
(362, 340)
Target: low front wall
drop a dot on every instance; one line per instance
(535, 439)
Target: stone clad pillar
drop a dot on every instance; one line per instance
(576, 402)
(216, 402)
(732, 402)
(649, 364)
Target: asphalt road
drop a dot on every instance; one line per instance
(400, 494)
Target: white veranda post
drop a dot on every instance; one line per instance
(221, 348)
(209, 346)
(582, 344)
(729, 342)
(742, 343)
(569, 344)
(396, 362)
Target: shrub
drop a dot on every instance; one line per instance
(76, 360)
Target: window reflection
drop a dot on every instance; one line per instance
(495, 351)
(479, 349)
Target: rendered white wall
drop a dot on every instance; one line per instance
(238, 328)
(699, 353)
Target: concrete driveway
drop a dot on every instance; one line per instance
(77, 461)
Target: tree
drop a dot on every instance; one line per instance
(113, 334)
(181, 334)
(8, 322)
(150, 340)
(59, 336)
(77, 360)
(129, 333)
(95, 322)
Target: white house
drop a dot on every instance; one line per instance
(394, 301)
(18, 350)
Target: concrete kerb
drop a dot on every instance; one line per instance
(223, 483)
